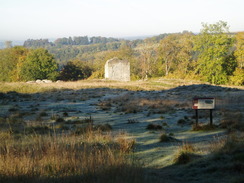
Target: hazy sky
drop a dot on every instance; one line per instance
(24, 19)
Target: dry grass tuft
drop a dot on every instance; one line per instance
(203, 127)
(185, 154)
(232, 120)
(93, 157)
(166, 138)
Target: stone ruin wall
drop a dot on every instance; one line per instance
(116, 69)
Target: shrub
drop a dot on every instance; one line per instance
(238, 77)
(165, 138)
(203, 127)
(59, 120)
(104, 128)
(43, 113)
(82, 130)
(126, 145)
(181, 122)
(65, 114)
(154, 127)
(74, 72)
(185, 154)
(165, 124)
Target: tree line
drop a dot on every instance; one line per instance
(23, 64)
(65, 49)
(77, 40)
(214, 55)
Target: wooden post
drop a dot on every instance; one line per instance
(211, 117)
(196, 117)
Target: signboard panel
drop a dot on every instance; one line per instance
(203, 103)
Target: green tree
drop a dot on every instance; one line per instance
(184, 55)
(167, 52)
(10, 62)
(21, 53)
(238, 77)
(238, 74)
(214, 45)
(85, 67)
(147, 62)
(39, 64)
(239, 52)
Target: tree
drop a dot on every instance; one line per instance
(147, 61)
(185, 54)
(22, 53)
(85, 67)
(36, 43)
(239, 52)
(168, 51)
(74, 71)
(39, 64)
(238, 74)
(10, 60)
(214, 45)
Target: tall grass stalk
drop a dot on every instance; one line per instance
(65, 158)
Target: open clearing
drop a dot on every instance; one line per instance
(130, 108)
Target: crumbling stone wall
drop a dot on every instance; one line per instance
(116, 69)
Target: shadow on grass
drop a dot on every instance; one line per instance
(112, 175)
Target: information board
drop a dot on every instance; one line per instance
(203, 103)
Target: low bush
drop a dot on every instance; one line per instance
(182, 122)
(203, 127)
(154, 127)
(103, 128)
(185, 154)
(59, 120)
(165, 138)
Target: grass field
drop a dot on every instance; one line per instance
(107, 131)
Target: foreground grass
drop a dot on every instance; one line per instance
(90, 157)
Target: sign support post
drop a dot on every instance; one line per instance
(196, 117)
(204, 103)
(211, 117)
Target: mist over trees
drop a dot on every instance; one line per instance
(214, 55)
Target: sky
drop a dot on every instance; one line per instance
(41, 19)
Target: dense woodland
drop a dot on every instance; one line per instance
(214, 55)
